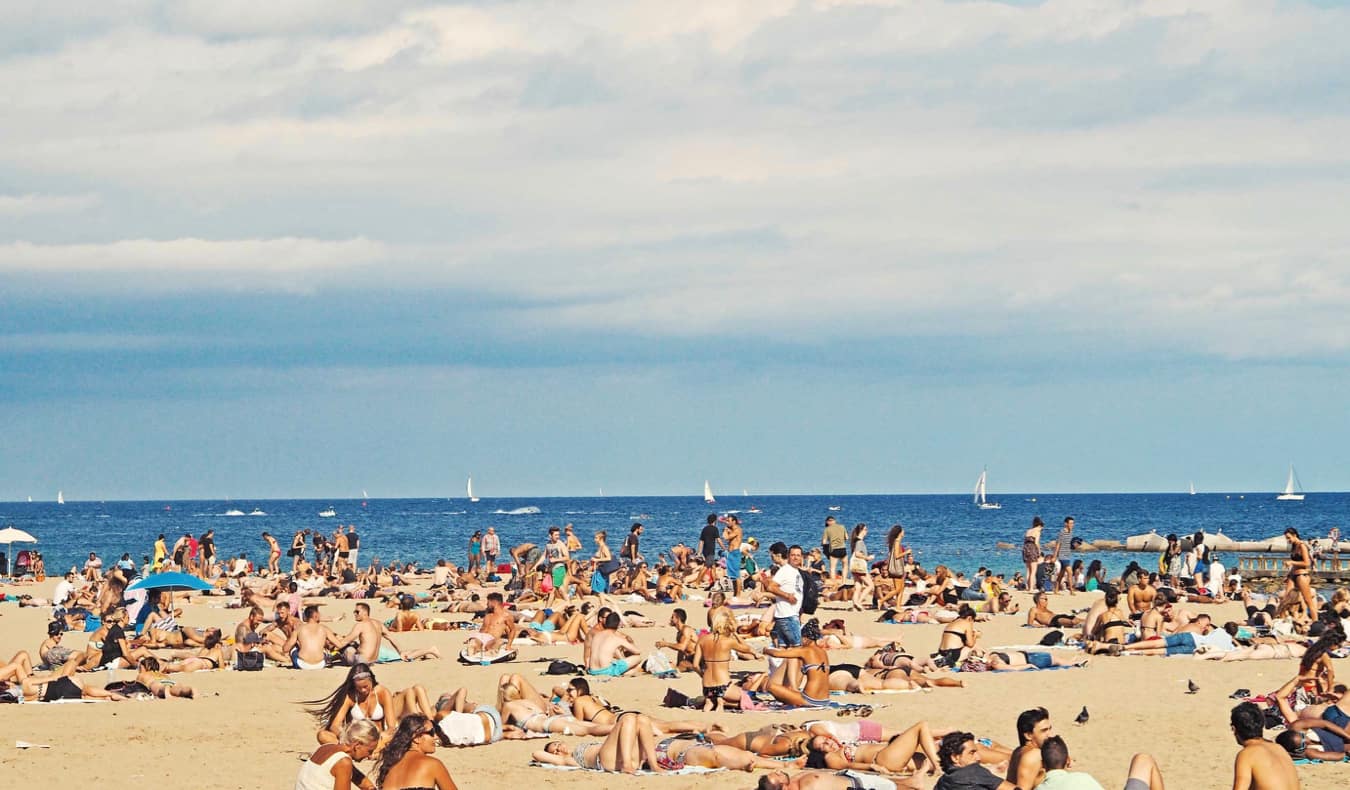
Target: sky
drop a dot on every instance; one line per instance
(302, 249)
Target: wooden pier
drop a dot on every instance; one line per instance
(1327, 569)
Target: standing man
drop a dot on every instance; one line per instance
(786, 586)
(208, 545)
(556, 554)
(353, 545)
(492, 546)
(343, 550)
(707, 546)
(731, 537)
(834, 544)
(629, 553)
(1064, 554)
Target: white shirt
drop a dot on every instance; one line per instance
(1216, 576)
(790, 580)
(64, 589)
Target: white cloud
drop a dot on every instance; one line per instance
(25, 205)
(1163, 171)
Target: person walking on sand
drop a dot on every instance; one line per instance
(1031, 548)
(1260, 764)
(1064, 556)
(273, 553)
(492, 546)
(834, 545)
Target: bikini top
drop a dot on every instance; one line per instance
(376, 713)
(961, 634)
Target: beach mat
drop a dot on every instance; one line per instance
(688, 769)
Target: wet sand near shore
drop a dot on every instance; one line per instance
(246, 730)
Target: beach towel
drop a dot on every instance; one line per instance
(485, 658)
(688, 769)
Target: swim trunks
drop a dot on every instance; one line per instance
(387, 654)
(616, 668)
(296, 663)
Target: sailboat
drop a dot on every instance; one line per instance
(30, 499)
(979, 493)
(60, 498)
(472, 498)
(1192, 488)
(707, 494)
(1292, 493)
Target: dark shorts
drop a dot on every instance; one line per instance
(715, 692)
(1331, 742)
(839, 553)
(342, 555)
(951, 657)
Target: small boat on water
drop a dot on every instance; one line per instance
(980, 500)
(60, 498)
(327, 512)
(1192, 488)
(234, 512)
(1291, 493)
(472, 498)
(835, 508)
(257, 512)
(707, 494)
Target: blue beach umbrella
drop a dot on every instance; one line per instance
(173, 581)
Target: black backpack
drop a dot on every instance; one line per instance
(811, 586)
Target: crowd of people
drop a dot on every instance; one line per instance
(556, 593)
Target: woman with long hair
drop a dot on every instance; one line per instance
(897, 556)
(362, 698)
(332, 765)
(407, 763)
(1031, 549)
(712, 654)
(1300, 571)
(860, 566)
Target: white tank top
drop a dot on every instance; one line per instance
(318, 776)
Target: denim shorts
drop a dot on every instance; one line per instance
(787, 631)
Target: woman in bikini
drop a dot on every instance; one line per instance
(896, 755)
(362, 698)
(297, 551)
(150, 675)
(521, 704)
(815, 692)
(771, 740)
(1113, 627)
(958, 638)
(629, 747)
(1300, 571)
(712, 654)
(408, 764)
(211, 655)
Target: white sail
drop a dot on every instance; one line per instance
(980, 499)
(60, 498)
(1192, 488)
(707, 494)
(364, 495)
(472, 498)
(1292, 492)
(745, 492)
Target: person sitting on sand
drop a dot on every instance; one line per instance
(332, 766)
(1033, 729)
(462, 722)
(51, 651)
(113, 649)
(1113, 626)
(607, 651)
(498, 626)
(1143, 775)
(365, 643)
(150, 675)
(685, 640)
(361, 697)
(712, 654)
(407, 762)
(815, 667)
(308, 646)
(958, 638)
(1040, 615)
(959, 756)
(895, 755)
(1260, 764)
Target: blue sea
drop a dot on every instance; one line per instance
(941, 528)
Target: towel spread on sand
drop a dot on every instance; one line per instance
(688, 769)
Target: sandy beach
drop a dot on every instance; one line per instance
(247, 730)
